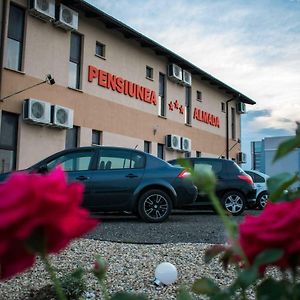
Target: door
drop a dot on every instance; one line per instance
(119, 172)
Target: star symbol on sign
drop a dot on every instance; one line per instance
(181, 109)
(171, 105)
(176, 104)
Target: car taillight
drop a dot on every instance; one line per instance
(184, 174)
(247, 178)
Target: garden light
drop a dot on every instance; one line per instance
(165, 273)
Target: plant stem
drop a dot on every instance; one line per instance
(53, 277)
(104, 289)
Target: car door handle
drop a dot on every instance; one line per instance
(81, 177)
(131, 176)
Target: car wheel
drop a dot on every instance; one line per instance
(154, 206)
(234, 202)
(262, 200)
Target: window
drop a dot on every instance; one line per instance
(162, 95)
(188, 104)
(15, 36)
(149, 72)
(160, 151)
(223, 107)
(233, 130)
(75, 61)
(100, 50)
(187, 154)
(198, 153)
(8, 141)
(112, 159)
(96, 137)
(75, 161)
(199, 96)
(72, 137)
(147, 146)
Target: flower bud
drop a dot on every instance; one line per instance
(100, 268)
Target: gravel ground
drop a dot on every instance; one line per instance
(132, 250)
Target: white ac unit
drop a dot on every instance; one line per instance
(37, 111)
(66, 18)
(174, 73)
(241, 158)
(61, 117)
(241, 108)
(42, 9)
(173, 142)
(186, 78)
(186, 144)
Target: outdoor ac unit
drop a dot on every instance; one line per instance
(174, 73)
(42, 9)
(186, 78)
(186, 144)
(173, 142)
(241, 158)
(66, 18)
(36, 111)
(61, 117)
(241, 108)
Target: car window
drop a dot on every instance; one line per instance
(75, 161)
(215, 165)
(111, 159)
(199, 166)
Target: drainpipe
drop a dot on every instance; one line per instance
(3, 30)
(227, 128)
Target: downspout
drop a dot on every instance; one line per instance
(227, 128)
(3, 30)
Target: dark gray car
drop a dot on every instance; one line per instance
(122, 179)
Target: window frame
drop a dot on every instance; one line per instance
(99, 137)
(103, 50)
(162, 95)
(199, 96)
(78, 62)
(188, 106)
(76, 137)
(149, 69)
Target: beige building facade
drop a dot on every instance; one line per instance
(113, 86)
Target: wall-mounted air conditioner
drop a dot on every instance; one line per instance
(174, 73)
(37, 111)
(241, 108)
(42, 9)
(61, 117)
(66, 18)
(186, 78)
(241, 158)
(173, 142)
(186, 144)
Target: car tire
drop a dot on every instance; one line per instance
(262, 200)
(154, 206)
(234, 202)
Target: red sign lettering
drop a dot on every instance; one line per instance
(206, 117)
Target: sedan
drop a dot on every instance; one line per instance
(122, 179)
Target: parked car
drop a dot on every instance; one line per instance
(260, 182)
(234, 188)
(121, 179)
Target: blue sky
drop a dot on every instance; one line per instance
(253, 46)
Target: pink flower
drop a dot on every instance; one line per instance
(278, 226)
(38, 210)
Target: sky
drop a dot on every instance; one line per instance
(251, 45)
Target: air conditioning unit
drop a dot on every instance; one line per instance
(241, 108)
(173, 142)
(66, 18)
(61, 117)
(37, 111)
(186, 144)
(42, 9)
(241, 158)
(186, 78)
(174, 73)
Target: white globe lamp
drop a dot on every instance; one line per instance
(165, 273)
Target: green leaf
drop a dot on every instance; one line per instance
(205, 286)
(128, 296)
(271, 289)
(296, 291)
(267, 257)
(279, 183)
(212, 252)
(247, 277)
(183, 294)
(287, 147)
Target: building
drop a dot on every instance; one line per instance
(113, 86)
(262, 157)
